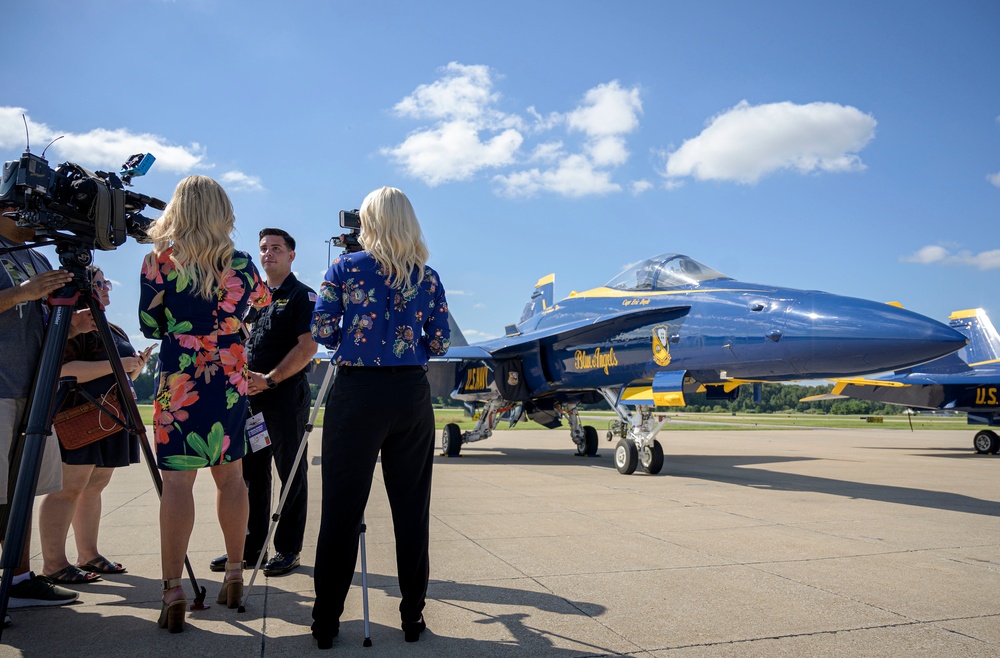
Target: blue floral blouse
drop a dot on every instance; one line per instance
(367, 323)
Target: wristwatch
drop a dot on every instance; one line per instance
(270, 382)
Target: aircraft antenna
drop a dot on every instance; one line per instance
(27, 137)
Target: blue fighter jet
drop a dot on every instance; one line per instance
(667, 327)
(968, 381)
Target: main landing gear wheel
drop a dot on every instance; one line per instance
(651, 458)
(451, 440)
(626, 457)
(986, 442)
(589, 447)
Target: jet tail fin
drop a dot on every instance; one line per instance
(541, 299)
(984, 342)
(457, 337)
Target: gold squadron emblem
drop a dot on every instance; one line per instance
(661, 353)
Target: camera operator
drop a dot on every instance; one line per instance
(278, 351)
(384, 312)
(26, 280)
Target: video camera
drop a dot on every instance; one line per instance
(349, 219)
(94, 207)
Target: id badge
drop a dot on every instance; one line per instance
(257, 432)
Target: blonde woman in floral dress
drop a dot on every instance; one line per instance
(195, 290)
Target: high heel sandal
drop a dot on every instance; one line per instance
(172, 614)
(232, 586)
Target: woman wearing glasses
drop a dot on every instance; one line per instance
(87, 470)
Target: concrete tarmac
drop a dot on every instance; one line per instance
(749, 543)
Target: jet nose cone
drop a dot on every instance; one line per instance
(848, 336)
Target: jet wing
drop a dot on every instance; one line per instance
(463, 353)
(600, 328)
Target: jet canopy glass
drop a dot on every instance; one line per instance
(664, 272)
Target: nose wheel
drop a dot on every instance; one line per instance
(626, 457)
(651, 458)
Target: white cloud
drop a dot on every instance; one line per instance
(99, 148)
(575, 176)
(470, 135)
(640, 186)
(608, 151)
(547, 152)
(937, 254)
(460, 144)
(464, 93)
(994, 178)
(475, 335)
(237, 180)
(607, 110)
(748, 142)
(453, 151)
(107, 149)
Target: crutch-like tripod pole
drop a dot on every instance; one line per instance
(276, 516)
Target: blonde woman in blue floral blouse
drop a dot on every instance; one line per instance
(383, 311)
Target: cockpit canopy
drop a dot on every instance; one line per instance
(664, 272)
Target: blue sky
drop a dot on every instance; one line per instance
(851, 147)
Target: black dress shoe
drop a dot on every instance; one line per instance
(413, 629)
(324, 634)
(219, 563)
(280, 564)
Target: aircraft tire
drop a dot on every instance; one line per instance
(589, 441)
(626, 457)
(986, 442)
(451, 440)
(651, 459)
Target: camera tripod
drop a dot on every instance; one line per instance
(46, 397)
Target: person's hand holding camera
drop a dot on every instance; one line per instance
(42, 285)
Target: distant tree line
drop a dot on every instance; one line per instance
(777, 398)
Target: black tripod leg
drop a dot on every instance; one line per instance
(39, 422)
(276, 516)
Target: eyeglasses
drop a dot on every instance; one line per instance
(103, 285)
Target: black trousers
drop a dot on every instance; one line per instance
(372, 410)
(286, 413)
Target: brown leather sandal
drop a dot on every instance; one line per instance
(172, 614)
(232, 586)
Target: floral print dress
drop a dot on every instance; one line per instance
(200, 409)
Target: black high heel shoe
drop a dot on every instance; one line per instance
(413, 629)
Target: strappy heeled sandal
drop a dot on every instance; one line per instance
(172, 614)
(232, 586)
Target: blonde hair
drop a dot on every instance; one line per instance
(197, 223)
(391, 233)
